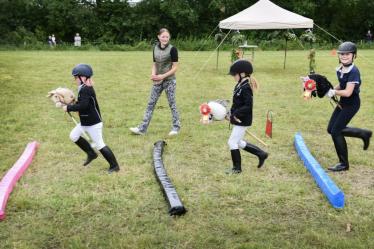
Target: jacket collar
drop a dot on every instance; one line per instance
(239, 86)
(342, 69)
(80, 87)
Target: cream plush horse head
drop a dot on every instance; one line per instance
(61, 96)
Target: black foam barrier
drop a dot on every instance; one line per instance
(171, 195)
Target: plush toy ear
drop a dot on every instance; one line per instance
(51, 93)
(224, 102)
(60, 91)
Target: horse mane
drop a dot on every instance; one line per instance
(322, 83)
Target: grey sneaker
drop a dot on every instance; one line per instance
(136, 131)
(173, 133)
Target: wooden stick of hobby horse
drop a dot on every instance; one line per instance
(85, 135)
(255, 137)
(251, 134)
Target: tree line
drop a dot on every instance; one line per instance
(118, 22)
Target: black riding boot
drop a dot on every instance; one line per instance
(109, 156)
(364, 134)
(86, 147)
(342, 152)
(262, 155)
(236, 162)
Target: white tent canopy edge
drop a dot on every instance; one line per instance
(265, 15)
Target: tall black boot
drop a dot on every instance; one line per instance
(342, 152)
(262, 155)
(109, 156)
(236, 162)
(86, 147)
(364, 134)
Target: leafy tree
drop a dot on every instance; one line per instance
(115, 21)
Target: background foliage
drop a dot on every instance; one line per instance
(116, 22)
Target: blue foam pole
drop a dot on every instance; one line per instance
(326, 184)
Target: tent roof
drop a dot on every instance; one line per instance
(265, 15)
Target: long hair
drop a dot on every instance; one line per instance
(253, 83)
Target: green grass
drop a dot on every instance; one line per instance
(60, 204)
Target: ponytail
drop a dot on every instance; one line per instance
(253, 83)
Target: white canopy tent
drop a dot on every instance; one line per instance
(265, 15)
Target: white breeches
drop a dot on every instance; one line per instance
(94, 131)
(236, 138)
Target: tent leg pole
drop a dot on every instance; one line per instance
(217, 58)
(285, 56)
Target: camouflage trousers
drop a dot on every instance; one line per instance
(169, 86)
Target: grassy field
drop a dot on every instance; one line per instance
(60, 204)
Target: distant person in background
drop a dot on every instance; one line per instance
(50, 41)
(53, 40)
(77, 40)
(369, 36)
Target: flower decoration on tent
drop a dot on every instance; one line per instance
(308, 36)
(237, 39)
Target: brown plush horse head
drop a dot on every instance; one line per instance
(61, 96)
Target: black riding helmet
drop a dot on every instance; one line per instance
(347, 47)
(241, 66)
(82, 70)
